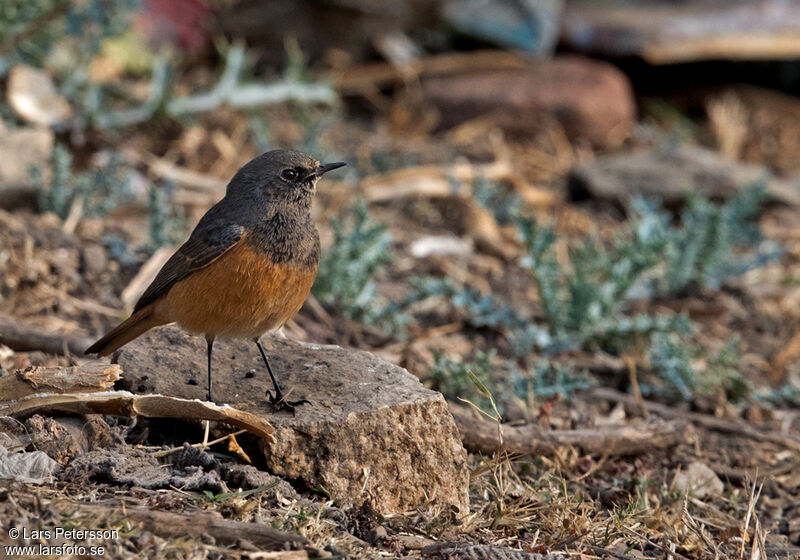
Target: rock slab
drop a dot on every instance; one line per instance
(372, 432)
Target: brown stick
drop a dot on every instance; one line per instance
(482, 436)
(23, 338)
(737, 427)
(201, 523)
(87, 378)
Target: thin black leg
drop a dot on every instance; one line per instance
(278, 392)
(210, 342)
(278, 400)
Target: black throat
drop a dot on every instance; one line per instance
(287, 236)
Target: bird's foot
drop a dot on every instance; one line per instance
(279, 402)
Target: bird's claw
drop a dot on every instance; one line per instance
(279, 402)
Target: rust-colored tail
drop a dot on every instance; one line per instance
(141, 321)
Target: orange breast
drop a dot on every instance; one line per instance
(242, 294)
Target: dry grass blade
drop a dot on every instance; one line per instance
(751, 506)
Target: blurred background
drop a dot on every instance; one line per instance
(544, 200)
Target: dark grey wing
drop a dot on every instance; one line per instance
(207, 243)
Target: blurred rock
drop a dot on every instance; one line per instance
(699, 480)
(372, 431)
(94, 260)
(671, 174)
(671, 32)
(592, 100)
(33, 96)
(20, 150)
(528, 25)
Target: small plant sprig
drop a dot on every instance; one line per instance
(673, 359)
(347, 270)
(100, 189)
(167, 223)
(584, 302)
(546, 379)
(585, 305)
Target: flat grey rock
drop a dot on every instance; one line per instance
(371, 433)
(671, 174)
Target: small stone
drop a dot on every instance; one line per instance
(95, 260)
(377, 534)
(23, 149)
(33, 96)
(372, 433)
(247, 477)
(699, 480)
(429, 245)
(592, 100)
(413, 542)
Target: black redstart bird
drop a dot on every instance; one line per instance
(247, 266)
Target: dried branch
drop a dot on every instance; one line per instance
(481, 436)
(86, 378)
(23, 338)
(204, 523)
(737, 427)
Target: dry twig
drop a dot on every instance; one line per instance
(481, 436)
(23, 338)
(86, 378)
(202, 523)
(738, 427)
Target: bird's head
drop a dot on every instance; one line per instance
(280, 177)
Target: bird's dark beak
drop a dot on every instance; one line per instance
(325, 167)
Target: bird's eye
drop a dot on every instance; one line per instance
(289, 174)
